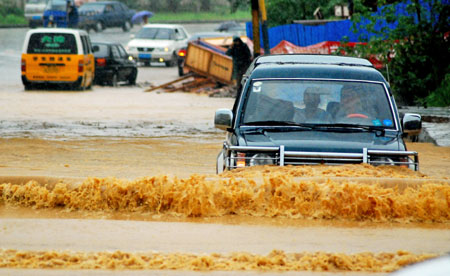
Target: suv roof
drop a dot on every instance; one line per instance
(314, 67)
(313, 59)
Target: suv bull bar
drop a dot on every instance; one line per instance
(237, 157)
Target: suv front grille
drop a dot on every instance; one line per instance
(245, 156)
(143, 49)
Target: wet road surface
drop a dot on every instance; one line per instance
(128, 133)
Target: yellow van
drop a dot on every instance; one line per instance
(57, 56)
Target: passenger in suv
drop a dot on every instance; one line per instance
(296, 110)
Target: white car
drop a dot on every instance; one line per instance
(158, 43)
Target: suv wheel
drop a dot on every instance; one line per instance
(126, 26)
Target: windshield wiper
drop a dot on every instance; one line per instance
(277, 123)
(378, 130)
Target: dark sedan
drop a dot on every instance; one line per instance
(113, 64)
(105, 14)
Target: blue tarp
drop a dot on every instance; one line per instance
(305, 35)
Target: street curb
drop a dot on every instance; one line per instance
(13, 26)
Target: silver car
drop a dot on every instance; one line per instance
(158, 43)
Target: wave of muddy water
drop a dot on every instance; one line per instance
(221, 235)
(87, 134)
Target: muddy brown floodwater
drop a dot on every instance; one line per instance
(153, 202)
(147, 236)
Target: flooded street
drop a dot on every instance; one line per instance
(118, 180)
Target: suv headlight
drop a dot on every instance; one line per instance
(261, 159)
(377, 161)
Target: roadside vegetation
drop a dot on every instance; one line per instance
(418, 61)
(11, 15)
(200, 16)
(416, 51)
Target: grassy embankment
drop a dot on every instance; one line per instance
(17, 19)
(201, 16)
(12, 20)
(11, 16)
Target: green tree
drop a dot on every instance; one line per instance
(205, 5)
(281, 12)
(417, 51)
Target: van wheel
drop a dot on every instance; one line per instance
(28, 87)
(99, 26)
(126, 26)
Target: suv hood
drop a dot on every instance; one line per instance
(150, 43)
(320, 141)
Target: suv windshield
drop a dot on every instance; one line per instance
(318, 102)
(56, 5)
(52, 43)
(156, 33)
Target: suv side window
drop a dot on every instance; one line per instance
(122, 5)
(115, 52)
(118, 7)
(109, 9)
(123, 53)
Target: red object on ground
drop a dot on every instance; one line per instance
(323, 48)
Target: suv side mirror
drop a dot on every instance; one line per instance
(412, 123)
(95, 48)
(223, 119)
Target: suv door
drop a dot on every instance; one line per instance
(127, 63)
(109, 15)
(119, 15)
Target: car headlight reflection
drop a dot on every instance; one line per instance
(261, 159)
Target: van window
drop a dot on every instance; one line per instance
(52, 43)
(88, 41)
(56, 5)
(85, 45)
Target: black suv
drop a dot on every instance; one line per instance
(314, 109)
(106, 14)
